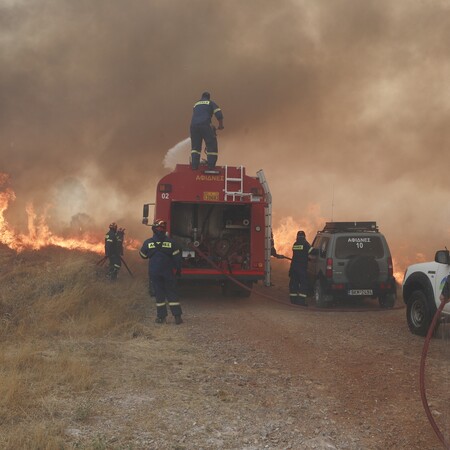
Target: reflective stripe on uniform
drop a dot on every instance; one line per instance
(196, 151)
(202, 102)
(212, 153)
(302, 295)
(151, 245)
(174, 303)
(217, 109)
(294, 295)
(143, 256)
(297, 247)
(175, 252)
(117, 266)
(161, 304)
(167, 244)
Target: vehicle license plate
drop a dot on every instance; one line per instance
(360, 292)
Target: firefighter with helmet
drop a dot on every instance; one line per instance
(202, 130)
(298, 278)
(120, 238)
(113, 251)
(164, 266)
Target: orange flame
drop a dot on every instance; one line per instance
(402, 262)
(39, 234)
(286, 232)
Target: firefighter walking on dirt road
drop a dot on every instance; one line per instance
(203, 130)
(164, 265)
(114, 250)
(298, 277)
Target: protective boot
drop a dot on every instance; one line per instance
(178, 320)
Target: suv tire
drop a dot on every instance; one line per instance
(386, 300)
(322, 299)
(419, 314)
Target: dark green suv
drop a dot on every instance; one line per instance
(351, 260)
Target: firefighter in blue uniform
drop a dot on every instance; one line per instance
(164, 265)
(113, 251)
(120, 237)
(298, 278)
(203, 130)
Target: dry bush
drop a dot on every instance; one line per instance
(29, 375)
(57, 316)
(65, 297)
(37, 437)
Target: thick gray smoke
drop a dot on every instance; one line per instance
(343, 100)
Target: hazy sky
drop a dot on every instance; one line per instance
(345, 104)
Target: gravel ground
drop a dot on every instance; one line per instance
(255, 374)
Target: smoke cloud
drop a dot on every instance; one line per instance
(345, 105)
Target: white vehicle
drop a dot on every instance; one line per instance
(422, 287)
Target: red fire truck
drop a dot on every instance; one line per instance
(222, 220)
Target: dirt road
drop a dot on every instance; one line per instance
(253, 374)
(84, 366)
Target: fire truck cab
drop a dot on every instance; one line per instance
(222, 220)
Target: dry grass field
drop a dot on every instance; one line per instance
(84, 366)
(59, 319)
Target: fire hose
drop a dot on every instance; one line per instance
(102, 261)
(274, 299)
(423, 393)
(424, 351)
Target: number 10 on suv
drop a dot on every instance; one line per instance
(351, 260)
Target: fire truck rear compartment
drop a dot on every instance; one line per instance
(220, 231)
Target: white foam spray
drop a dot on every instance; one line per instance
(179, 153)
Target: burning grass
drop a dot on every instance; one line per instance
(59, 319)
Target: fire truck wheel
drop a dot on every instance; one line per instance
(230, 289)
(226, 288)
(246, 292)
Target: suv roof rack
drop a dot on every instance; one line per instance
(335, 227)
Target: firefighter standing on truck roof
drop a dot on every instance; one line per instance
(164, 264)
(298, 278)
(113, 250)
(203, 130)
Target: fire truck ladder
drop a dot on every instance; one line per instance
(268, 227)
(239, 193)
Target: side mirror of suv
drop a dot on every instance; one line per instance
(442, 257)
